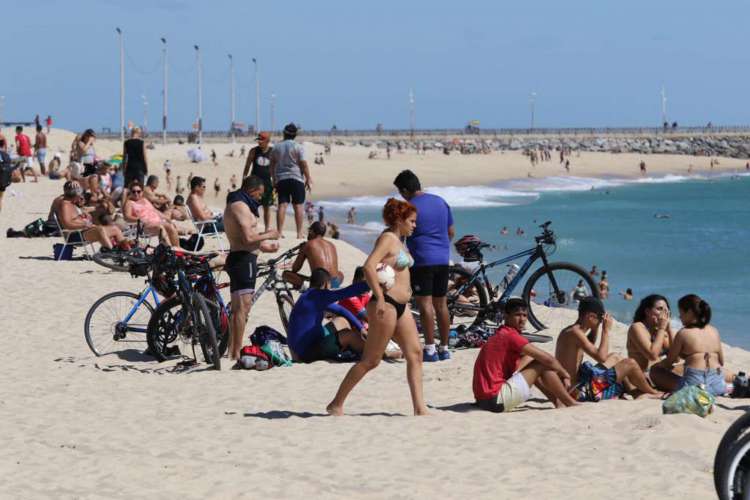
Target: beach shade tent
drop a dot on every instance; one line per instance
(196, 155)
(115, 160)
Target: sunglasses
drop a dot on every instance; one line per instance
(136, 191)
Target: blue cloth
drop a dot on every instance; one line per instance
(712, 379)
(429, 244)
(245, 198)
(307, 315)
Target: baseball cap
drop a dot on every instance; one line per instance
(72, 188)
(591, 304)
(290, 129)
(263, 136)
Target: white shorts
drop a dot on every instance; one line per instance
(514, 391)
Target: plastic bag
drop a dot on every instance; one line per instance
(690, 399)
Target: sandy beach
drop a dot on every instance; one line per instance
(78, 426)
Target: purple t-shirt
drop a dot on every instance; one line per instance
(429, 244)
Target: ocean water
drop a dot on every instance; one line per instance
(671, 235)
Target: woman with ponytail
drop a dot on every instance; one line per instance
(699, 344)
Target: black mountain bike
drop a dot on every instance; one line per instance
(551, 289)
(732, 461)
(194, 314)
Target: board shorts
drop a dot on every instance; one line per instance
(242, 268)
(327, 346)
(429, 281)
(712, 380)
(291, 190)
(267, 199)
(513, 392)
(597, 383)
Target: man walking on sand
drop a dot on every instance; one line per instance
(429, 244)
(241, 228)
(291, 176)
(259, 158)
(40, 149)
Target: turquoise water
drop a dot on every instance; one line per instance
(697, 244)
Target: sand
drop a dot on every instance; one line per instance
(77, 426)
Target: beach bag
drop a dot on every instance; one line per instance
(264, 333)
(690, 399)
(34, 229)
(253, 358)
(276, 353)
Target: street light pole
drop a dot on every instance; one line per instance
(663, 105)
(273, 112)
(412, 112)
(532, 102)
(2, 108)
(200, 93)
(231, 91)
(164, 96)
(257, 97)
(145, 115)
(122, 85)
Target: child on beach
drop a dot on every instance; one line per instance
(508, 365)
(699, 344)
(611, 375)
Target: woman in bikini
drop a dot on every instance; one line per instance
(137, 207)
(650, 335)
(388, 310)
(699, 344)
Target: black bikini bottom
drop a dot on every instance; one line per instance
(400, 308)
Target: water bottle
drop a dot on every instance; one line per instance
(248, 362)
(453, 338)
(262, 364)
(512, 271)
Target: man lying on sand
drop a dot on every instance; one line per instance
(612, 375)
(309, 339)
(497, 386)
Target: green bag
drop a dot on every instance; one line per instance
(690, 399)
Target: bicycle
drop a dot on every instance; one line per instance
(121, 318)
(732, 461)
(553, 287)
(194, 312)
(120, 260)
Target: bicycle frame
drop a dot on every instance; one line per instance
(148, 291)
(533, 255)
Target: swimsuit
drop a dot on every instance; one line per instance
(400, 308)
(403, 260)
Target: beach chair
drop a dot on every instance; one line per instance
(206, 228)
(70, 234)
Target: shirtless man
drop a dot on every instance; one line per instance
(241, 222)
(318, 252)
(71, 217)
(611, 375)
(159, 200)
(197, 205)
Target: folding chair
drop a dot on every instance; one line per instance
(206, 228)
(67, 234)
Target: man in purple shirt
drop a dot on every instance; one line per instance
(429, 244)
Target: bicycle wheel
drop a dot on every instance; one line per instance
(470, 306)
(549, 302)
(104, 328)
(204, 329)
(738, 432)
(734, 476)
(114, 260)
(220, 317)
(168, 333)
(285, 304)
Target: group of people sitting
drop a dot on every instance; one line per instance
(507, 365)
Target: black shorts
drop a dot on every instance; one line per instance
(242, 267)
(89, 169)
(291, 190)
(429, 281)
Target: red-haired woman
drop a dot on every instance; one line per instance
(388, 309)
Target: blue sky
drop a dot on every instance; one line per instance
(591, 63)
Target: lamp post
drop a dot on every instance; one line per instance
(257, 97)
(164, 95)
(122, 85)
(200, 93)
(412, 113)
(2, 109)
(532, 104)
(231, 97)
(663, 106)
(145, 115)
(273, 112)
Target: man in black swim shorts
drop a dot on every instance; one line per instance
(241, 228)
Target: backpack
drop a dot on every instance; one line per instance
(34, 229)
(6, 169)
(263, 334)
(690, 399)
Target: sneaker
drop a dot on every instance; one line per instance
(444, 355)
(429, 358)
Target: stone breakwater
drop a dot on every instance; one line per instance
(732, 146)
